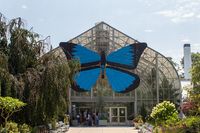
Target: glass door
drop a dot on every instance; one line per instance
(114, 115)
(122, 115)
(118, 115)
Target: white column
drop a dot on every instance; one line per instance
(157, 79)
(187, 61)
(91, 93)
(135, 103)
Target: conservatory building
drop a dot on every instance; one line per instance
(159, 79)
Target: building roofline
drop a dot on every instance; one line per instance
(107, 25)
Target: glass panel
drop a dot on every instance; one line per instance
(114, 111)
(122, 119)
(114, 119)
(121, 111)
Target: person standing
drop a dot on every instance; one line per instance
(85, 118)
(78, 119)
(89, 119)
(97, 119)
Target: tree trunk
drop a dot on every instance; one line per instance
(6, 120)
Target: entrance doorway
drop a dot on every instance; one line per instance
(117, 115)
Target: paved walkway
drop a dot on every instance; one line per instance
(102, 130)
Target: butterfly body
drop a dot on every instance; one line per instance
(117, 66)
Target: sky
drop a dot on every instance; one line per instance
(165, 25)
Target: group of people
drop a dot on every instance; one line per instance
(87, 118)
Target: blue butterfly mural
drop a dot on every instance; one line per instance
(116, 66)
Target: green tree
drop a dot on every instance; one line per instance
(4, 74)
(42, 81)
(195, 91)
(53, 99)
(164, 112)
(5, 77)
(24, 47)
(195, 58)
(196, 73)
(8, 106)
(3, 35)
(46, 88)
(18, 52)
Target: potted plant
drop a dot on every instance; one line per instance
(66, 119)
(102, 120)
(53, 123)
(137, 121)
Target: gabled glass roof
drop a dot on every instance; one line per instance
(110, 39)
(104, 36)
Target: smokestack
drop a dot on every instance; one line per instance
(187, 61)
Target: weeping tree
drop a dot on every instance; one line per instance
(40, 81)
(53, 93)
(24, 47)
(19, 49)
(4, 74)
(3, 35)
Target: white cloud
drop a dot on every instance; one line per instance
(167, 13)
(177, 20)
(185, 40)
(188, 15)
(195, 47)
(196, 44)
(148, 30)
(183, 10)
(24, 6)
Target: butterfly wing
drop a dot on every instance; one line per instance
(86, 56)
(120, 80)
(126, 57)
(119, 63)
(86, 79)
(90, 69)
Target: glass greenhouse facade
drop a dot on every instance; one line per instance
(159, 79)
